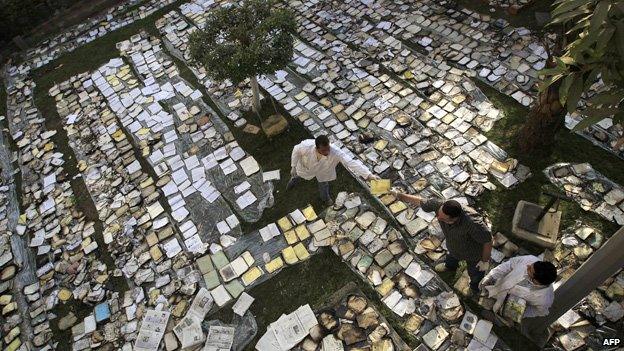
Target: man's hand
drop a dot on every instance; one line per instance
(485, 282)
(293, 172)
(483, 266)
(373, 177)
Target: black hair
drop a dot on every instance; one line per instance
(544, 272)
(321, 141)
(452, 208)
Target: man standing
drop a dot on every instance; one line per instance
(526, 277)
(467, 237)
(316, 158)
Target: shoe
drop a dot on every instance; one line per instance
(440, 267)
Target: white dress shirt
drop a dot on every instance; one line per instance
(308, 163)
(511, 278)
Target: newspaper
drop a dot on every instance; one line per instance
(288, 330)
(219, 338)
(330, 343)
(189, 331)
(151, 331)
(201, 304)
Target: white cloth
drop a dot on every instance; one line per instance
(507, 277)
(308, 163)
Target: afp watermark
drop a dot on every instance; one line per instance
(611, 343)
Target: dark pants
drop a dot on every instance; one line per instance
(473, 272)
(323, 187)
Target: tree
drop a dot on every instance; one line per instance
(592, 63)
(243, 41)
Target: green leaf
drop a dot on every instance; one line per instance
(567, 60)
(567, 6)
(574, 93)
(591, 78)
(551, 71)
(607, 98)
(603, 40)
(569, 16)
(586, 122)
(565, 87)
(582, 23)
(600, 15)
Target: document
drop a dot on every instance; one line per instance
(189, 331)
(242, 304)
(151, 331)
(380, 186)
(245, 200)
(220, 338)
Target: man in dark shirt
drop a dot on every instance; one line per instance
(467, 237)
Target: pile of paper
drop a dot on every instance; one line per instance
(288, 330)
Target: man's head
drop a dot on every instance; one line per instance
(542, 272)
(322, 145)
(449, 212)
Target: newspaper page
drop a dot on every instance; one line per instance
(201, 304)
(288, 330)
(189, 331)
(330, 343)
(219, 338)
(151, 331)
(307, 317)
(268, 342)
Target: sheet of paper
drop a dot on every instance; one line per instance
(245, 200)
(220, 337)
(242, 304)
(201, 304)
(380, 186)
(189, 331)
(271, 175)
(152, 330)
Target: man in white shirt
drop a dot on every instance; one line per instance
(316, 158)
(526, 277)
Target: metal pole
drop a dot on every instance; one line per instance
(604, 263)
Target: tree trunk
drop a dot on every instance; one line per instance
(543, 122)
(256, 94)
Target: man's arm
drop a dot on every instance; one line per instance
(354, 166)
(294, 159)
(487, 252)
(499, 272)
(413, 199)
